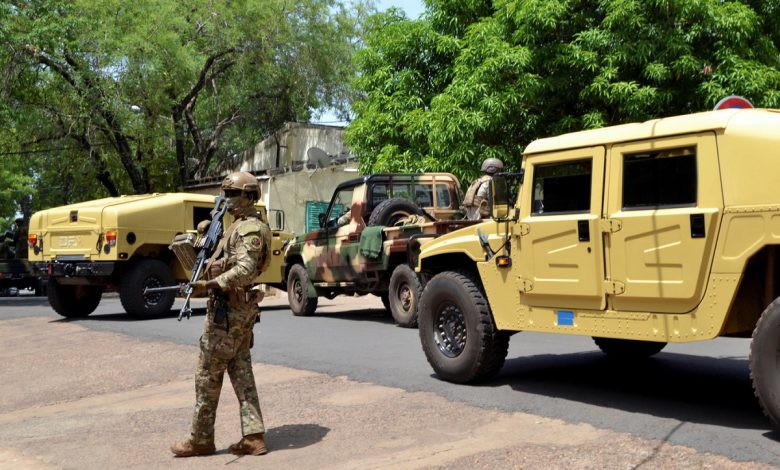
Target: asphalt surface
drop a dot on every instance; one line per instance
(695, 395)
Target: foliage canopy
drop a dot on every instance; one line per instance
(476, 79)
(110, 97)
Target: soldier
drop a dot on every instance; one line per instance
(476, 202)
(20, 238)
(243, 253)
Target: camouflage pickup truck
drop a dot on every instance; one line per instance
(639, 235)
(359, 250)
(121, 244)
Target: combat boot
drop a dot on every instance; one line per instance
(189, 449)
(252, 444)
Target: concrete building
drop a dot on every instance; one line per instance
(298, 166)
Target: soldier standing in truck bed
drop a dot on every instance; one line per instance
(476, 201)
(241, 256)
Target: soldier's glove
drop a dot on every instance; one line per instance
(199, 289)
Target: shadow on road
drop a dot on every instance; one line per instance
(26, 301)
(123, 317)
(678, 386)
(294, 436)
(378, 315)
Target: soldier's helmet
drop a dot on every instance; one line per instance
(241, 181)
(492, 166)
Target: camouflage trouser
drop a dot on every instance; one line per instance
(225, 346)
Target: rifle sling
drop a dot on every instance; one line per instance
(221, 245)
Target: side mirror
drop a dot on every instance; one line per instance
(278, 219)
(499, 197)
(321, 219)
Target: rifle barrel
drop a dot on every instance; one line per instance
(152, 290)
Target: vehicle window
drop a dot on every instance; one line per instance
(403, 190)
(199, 214)
(342, 202)
(423, 195)
(562, 188)
(443, 196)
(378, 194)
(659, 179)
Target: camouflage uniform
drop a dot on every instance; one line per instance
(227, 339)
(475, 202)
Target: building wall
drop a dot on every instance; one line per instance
(293, 142)
(289, 192)
(297, 179)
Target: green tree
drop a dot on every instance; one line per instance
(522, 69)
(110, 97)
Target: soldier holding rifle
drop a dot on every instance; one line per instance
(242, 254)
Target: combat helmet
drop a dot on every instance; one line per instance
(492, 166)
(241, 191)
(242, 181)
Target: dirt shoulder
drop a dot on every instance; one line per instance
(75, 398)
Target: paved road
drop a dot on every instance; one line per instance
(696, 395)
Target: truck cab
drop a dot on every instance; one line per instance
(636, 235)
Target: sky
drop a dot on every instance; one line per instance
(413, 9)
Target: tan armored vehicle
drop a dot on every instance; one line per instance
(637, 235)
(358, 248)
(122, 244)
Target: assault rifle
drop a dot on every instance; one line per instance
(210, 241)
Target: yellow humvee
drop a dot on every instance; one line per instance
(637, 235)
(121, 244)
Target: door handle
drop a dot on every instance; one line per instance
(697, 226)
(583, 230)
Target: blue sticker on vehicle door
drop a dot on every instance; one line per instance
(565, 318)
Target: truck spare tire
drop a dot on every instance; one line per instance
(392, 210)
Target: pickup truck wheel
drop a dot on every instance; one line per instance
(765, 362)
(298, 292)
(404, 296)
(147, 273)
(627, 349)
(392, 210)
(73, 301)
(457, 332)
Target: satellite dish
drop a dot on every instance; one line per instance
(317, 156)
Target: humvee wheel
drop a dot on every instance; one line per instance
(404, 295)
(147, 273)
(392, 210)
(628, 349)
(298, 292)
(457, 332)
(765, 362)
(73, 301)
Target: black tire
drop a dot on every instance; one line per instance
(143, 274)
(627, 349)
(765, 362)
(298, 292)
(392, 210)
(404, 296)
(457, 332)
(73, 301)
